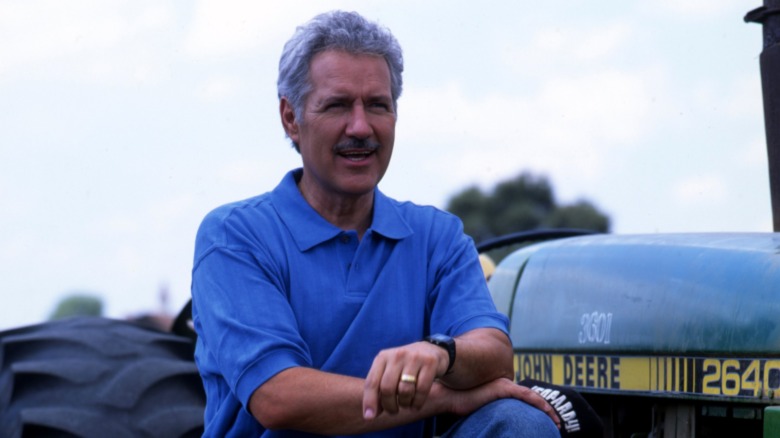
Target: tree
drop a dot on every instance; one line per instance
(523, 203)
(78, 304)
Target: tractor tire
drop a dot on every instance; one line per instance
(98, 377)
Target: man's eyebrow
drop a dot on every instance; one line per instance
(331, 98)
(340, 94)
(340, 97)
(380, 96)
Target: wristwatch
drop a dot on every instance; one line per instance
(445, 342)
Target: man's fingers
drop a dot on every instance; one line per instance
(425, 379)
(388, 386)
(399, 378)
(534, 399)
(371, 405)
(407, 388)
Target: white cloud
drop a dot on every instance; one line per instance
(219, 88)
(45, 30)
(230, 27)
(701, 189)
(609, 105)
(601, 42)
(582, 48)
(119, 224)
(567, 126)
(741, 97)
(240, 172)
(700, 9)
(220, 27)
(155, 15)
(549, 40)
(753, 155)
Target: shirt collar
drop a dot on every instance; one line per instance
(309, 229)
(387, 220)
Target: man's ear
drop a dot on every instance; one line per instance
(289, 122)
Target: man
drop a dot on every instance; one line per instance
(313, 302)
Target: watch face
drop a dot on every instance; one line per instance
(443, 341)
(441, 338)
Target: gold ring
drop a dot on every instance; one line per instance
(408, 378)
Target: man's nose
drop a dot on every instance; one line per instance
(358, 126)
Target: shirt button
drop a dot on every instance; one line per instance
(344, 239)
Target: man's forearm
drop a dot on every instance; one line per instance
(482, 355)
(309, 400)
(313, 401)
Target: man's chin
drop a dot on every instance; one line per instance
(358, 187)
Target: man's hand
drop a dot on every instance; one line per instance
(406, 377)
(402, 378)
(466, 402)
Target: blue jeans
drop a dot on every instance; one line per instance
(504, 418)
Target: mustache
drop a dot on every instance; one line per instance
(356, 144)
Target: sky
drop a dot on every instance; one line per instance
(122, 123)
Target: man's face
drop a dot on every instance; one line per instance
(348, 128)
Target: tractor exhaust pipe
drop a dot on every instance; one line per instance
(769, 16)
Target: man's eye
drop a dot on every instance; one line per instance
(334, 105)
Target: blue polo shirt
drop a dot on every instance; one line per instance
(276, 286)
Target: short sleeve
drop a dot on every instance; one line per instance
(247, 332)
(459, 297)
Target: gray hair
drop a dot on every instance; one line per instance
(335, 30)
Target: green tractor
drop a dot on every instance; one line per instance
(668, 335)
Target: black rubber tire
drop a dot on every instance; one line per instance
(98, 377)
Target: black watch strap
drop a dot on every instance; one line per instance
(447, 343)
